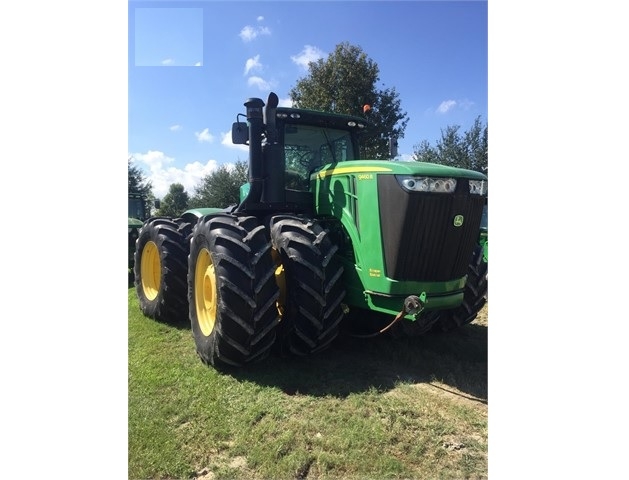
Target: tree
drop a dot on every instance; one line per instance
(138, 183)
(175, 202)
(345, 82)
(464, 151)
(221, 188)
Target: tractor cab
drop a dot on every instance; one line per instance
(287, 148)
(137, 206)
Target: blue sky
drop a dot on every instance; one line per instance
(193, 64)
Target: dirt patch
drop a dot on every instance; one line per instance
(483, 316)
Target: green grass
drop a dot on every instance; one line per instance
(375, 408)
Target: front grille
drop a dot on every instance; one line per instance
(419, 238)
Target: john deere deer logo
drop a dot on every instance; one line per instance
(458, 220)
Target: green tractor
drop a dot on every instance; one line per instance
(139, 212)
(319, 239)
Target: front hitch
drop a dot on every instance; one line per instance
(413, 305)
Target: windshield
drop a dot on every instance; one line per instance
(308, 147)
(136, 208)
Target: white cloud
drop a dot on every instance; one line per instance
(162, 176)
(446, 106)
(249, 33)
(192, 174)
(253, 64)
(198, 64)
(204, 136)
(285, 102)
(154, 159)
(226, 140)
(260, 18)
(175, 128)
(259, 82)
(167, 61)
(466, 104)
(307, 55)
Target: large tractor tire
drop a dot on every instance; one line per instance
(184, 228)
(160, 269)
(310, 281)
(232, 291)
(474, 297)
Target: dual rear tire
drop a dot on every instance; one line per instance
(232, 292)
(310, 306)
(248, 293)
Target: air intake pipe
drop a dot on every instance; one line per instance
(256, 172)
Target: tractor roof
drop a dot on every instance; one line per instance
(315, 117)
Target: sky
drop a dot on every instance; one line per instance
(192, 65)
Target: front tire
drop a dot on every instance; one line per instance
(474, 297)
(231, 290)
(311, 303)
(160, 270)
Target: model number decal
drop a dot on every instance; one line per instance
(374, 272)
(365, 176)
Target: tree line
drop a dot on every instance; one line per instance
(343, 83)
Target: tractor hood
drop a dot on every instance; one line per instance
(135, 223)
(397, 168)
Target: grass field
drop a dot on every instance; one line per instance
(365, 409)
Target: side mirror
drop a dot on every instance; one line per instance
(392, 146)
(240, 133)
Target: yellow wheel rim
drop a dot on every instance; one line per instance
(280, 279)
(205, 292)
(151, 270)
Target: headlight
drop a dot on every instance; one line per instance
(478, 187)
(427, 184)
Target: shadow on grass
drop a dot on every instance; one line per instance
(457, 359)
